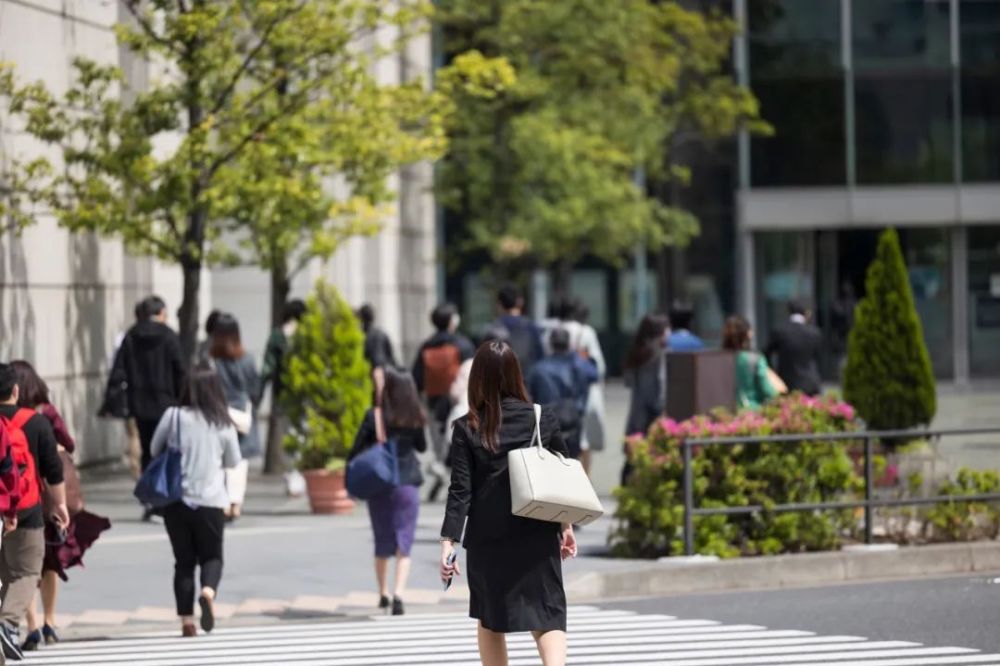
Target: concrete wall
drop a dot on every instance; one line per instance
(65, 298)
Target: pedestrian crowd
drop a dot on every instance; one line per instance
(466, 407)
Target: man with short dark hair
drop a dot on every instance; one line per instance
(378, 347)
(523, 335)
(794, 350)
(681, 339)
(562, 382)
(34, 450)
(151, 361)
(437, 365)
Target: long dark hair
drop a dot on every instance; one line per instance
(495, 375)
(401, 401)
(226, 342)
(736, 333)
(203, 392)
(649, 335)
(34, 390)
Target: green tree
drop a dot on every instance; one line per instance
(227, 155)
(888, 377)
(547, 170)
(327, 388)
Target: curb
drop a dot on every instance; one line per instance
(642, 578)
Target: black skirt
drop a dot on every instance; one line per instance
(517, 585)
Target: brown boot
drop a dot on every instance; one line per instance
(189, 631)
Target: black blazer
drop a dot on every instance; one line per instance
(796, 349)
(408, 440)
(480, 481)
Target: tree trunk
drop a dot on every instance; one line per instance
(188, 312)
(561, 278)
(274, 458)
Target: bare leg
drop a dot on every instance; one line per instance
(492, 647)
(50, 590)
(551, 647)
(586, 460)
(402, 575)
(382, 575)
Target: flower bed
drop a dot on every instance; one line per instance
(650, 508)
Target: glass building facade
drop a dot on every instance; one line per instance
(885, 113)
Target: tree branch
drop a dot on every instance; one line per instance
(147, 28)
(251, 56)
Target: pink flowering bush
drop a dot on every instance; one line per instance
(651, 511)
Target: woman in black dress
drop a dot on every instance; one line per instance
(514, 564)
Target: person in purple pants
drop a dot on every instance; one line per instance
(398, 415)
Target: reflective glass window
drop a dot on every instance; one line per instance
(979, 22)
(796, 72)
(903, 91)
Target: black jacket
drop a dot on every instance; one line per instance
(480, 481)
(42, 444)
(408, 441)
(794, 351)
(152, 366)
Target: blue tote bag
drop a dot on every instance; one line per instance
(160, 484)
(375, 471)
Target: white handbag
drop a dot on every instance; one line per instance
(243, 420)
(546, 486)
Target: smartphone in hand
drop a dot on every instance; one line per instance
(450, 561)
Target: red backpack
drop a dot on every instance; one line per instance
(10, 486)
(29, 486)
(441, 366)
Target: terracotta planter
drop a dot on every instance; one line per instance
(327, 491)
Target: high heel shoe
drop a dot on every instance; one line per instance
(397, 606)
(32, 642)
(51, 637)
(384, 603)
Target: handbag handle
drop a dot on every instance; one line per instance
(537, 439)
(175, 430)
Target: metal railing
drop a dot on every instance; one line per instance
(869, 503)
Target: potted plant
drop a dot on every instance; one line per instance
(327, 390)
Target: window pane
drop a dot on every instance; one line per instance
(903, 91)
(980, 80)
(795, 54)
(984, 301)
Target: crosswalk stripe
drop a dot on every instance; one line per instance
(593, 637)
(596, 636)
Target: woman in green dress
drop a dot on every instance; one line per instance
(755, 383)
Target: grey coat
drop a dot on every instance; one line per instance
(241, 383)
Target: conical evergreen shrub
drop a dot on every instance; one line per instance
(327, 385)
(888, 376)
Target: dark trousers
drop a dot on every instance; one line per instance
(146, 429)
(196, 538)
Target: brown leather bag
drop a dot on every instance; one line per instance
(71, 479)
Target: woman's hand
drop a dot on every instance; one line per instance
(448, 570)
(568, 548)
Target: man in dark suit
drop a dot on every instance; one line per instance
(794, 350)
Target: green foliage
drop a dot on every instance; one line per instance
(327, 386)
(651, 511)
(966, 520)
(226, 155)
(544, 167)
(888, 376)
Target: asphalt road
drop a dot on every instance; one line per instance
(961, 611)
